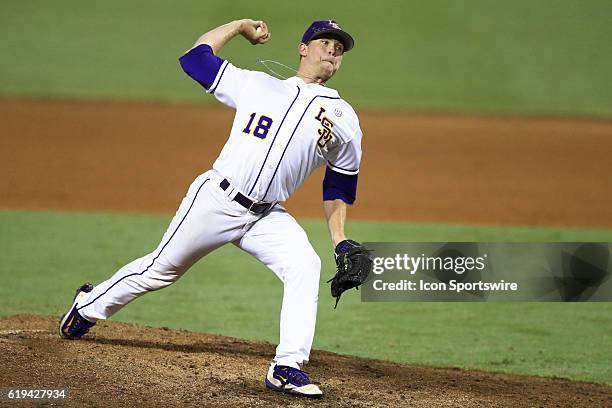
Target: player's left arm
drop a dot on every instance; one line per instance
(353, 260)
(339, 191)
(341, 174)
(335, 212)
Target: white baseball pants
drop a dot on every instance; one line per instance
(207, 219)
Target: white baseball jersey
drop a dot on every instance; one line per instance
(282, 131)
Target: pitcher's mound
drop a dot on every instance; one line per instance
(120, 364)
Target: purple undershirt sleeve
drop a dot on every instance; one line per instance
(339, 186)
(201, 65)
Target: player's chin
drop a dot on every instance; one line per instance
(324, 78)
(328, 72)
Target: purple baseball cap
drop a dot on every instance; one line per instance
(331, 29)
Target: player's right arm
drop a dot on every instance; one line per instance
(254, 31)
(216, 75)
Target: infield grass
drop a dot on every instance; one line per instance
(536, 57)
(47, 255)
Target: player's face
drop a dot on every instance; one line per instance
(323, 56)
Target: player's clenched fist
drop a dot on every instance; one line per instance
(255, 31)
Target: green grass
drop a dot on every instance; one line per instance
(46, 255)
(479, 55)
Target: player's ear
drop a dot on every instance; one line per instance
(303, 49)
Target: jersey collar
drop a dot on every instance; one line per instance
(320, 89)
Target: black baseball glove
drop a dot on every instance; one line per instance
(354, 263)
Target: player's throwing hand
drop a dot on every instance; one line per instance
(255, 31)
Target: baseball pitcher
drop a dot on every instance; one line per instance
(282, 131)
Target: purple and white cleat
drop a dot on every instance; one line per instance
(74, 326)
(291, 381)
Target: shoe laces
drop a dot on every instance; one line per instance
(292, 375)
(82, 326)
(77, 326)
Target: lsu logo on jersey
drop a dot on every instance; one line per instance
(325, 133)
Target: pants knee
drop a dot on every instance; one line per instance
(155, 279)
(310, 270)
(315, 265)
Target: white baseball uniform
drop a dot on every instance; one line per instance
(282, 131)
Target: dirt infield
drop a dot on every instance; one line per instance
(130, 365)
(416, 167)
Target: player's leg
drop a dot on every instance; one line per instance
(280, 243)
(200, 225)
